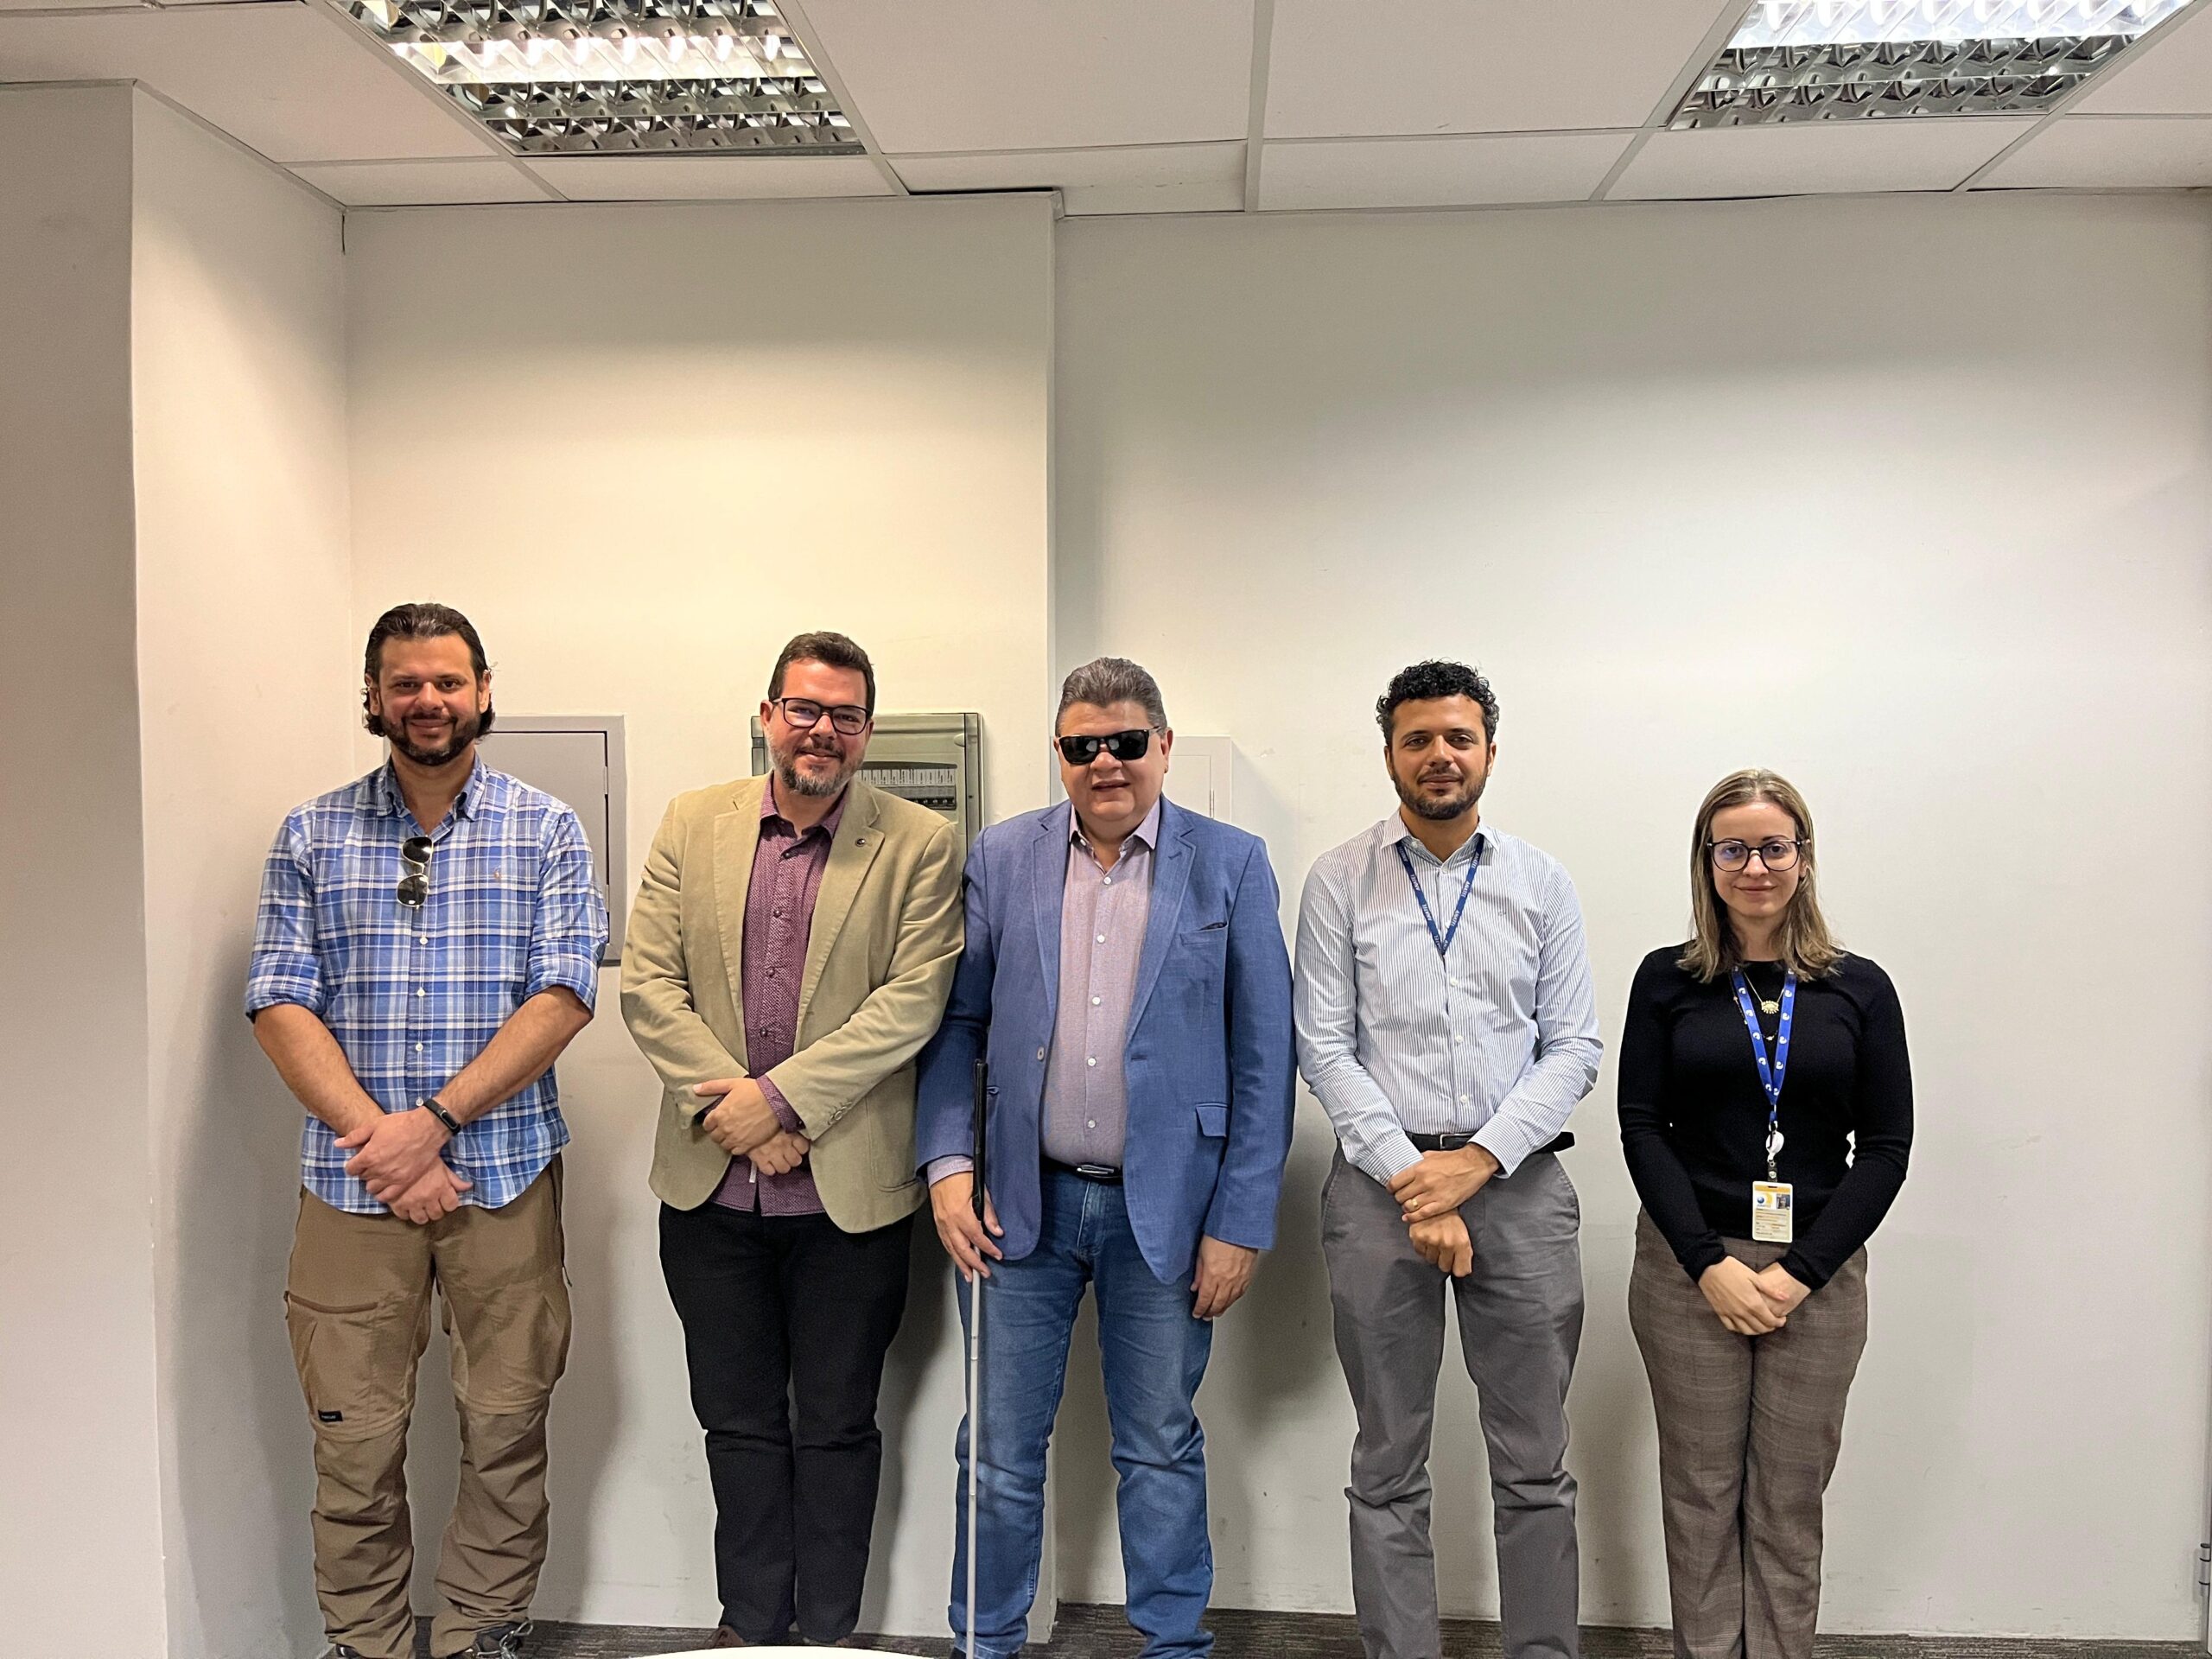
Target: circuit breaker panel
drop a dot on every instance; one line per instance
(933, 760)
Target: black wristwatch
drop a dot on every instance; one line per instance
(436, 1108)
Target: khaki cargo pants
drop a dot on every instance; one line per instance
(357, 1303)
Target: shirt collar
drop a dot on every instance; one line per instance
(828, 826)
(1146, 834)
(1392, 832)
(485, 789)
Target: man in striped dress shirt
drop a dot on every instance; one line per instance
(428, 942)
(1446, 1024)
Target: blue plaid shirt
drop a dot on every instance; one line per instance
(413, 995)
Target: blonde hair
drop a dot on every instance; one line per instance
(1803, 943)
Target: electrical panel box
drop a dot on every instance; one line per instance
(933, 760)
(577, 758)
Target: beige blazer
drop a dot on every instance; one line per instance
(880, 957)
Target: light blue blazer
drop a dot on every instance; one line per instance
(1208, 1058)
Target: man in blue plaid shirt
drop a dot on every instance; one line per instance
(428, 942)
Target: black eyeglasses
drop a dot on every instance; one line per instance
(1122, 746)
(804, 714)
(414, 885)
(1775, 853)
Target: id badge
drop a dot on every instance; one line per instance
(1773, 1214)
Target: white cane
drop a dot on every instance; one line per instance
(975, 1344)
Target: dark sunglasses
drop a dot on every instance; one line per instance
(414, 885)
(1122, 746)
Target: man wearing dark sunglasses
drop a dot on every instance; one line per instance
(428, 942)
(788, 953)
(1125, 976)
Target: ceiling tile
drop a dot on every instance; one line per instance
(1457, 172)
(418, 184)
(2170, 75)
(288, 81)
(956, 76)
(2110, 152)
(709, 178)
(1411, 66)
(1153, 179)
(1816, 158)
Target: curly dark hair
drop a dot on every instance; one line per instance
(1425, 681)
(417, 621)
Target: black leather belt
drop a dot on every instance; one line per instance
(1454, 1140)
(1103, 1174)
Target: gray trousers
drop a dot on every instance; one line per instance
(1520, 1322)
(1749, 1429)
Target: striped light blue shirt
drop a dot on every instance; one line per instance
(412, 995)
(1500, 1040)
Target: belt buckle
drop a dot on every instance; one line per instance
(1096, 1172)
(1454, 1140)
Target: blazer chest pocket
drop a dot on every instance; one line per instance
(1213, 1120)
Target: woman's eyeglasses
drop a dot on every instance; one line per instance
(414, 885)
(1775, 853)
(1122, 746)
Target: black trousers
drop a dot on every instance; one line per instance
(786, 1320)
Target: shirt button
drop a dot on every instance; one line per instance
(1095, 1001)
(1093, 1060)
(418, 1048)
(1040, 1053)
(1452, 981)
(425, 939)
(1463, 1100)
(422, 991)
(1109, 881)
(777, 910)
(1102, 939)
(1090, 1123)
(1459, 1040)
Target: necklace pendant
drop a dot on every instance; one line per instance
(1769, 1008)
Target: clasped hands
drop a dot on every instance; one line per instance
(395, 1157)
(1751, 1302)
(744, 1125)
(1429, 1194)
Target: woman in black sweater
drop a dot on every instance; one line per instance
(1763, 1168)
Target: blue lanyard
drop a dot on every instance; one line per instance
(1442, 941)
(1772, 1069)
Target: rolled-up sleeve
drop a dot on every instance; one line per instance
(286, 967)
(568, 936)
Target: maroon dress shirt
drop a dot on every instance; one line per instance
(787, 870)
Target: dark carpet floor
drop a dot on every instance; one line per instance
(1091, 1632)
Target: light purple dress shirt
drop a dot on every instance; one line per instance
(787, 870)
(1085, 1112)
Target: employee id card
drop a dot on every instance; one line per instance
(1773, 1214)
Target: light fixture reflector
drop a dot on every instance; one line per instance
(1832, 59)
(571, 77)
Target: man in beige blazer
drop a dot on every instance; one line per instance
(790, 951)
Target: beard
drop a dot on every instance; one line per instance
(1439, 809)
(788, 776)
(466, 729)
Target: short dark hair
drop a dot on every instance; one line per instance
(1427, 681)
(421, 620)
(822, 647)
(1105, 680)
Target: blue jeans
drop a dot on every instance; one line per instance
(1152, 1356)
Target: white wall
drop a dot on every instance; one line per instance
(248, 682)
(1907, 499)
(81, 1561)
(641, 447)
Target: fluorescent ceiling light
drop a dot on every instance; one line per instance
(583, 77)
(1831, 60)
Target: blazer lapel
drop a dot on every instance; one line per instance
(857, 843)
(1171, 874)
(1048, 879)
(737, 837)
